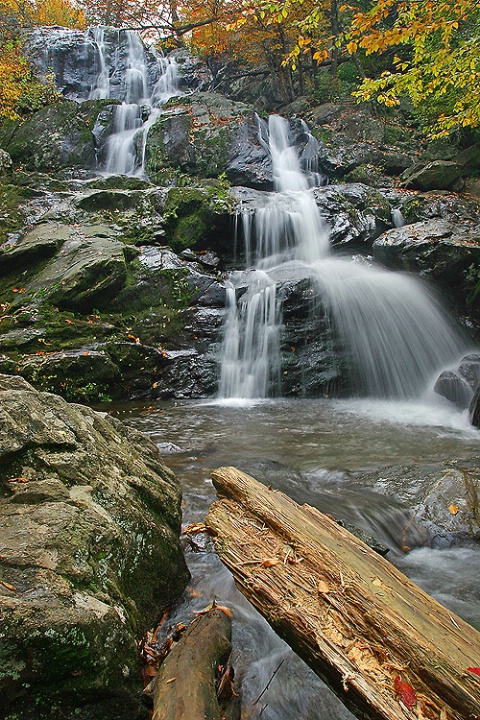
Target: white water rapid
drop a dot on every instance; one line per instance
(394, 334)
(130, 79)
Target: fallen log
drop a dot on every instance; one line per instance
(385, 647)
(185, 686)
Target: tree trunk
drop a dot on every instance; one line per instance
(185, 686)
(386, 648)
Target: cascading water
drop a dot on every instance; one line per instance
(115, 64)
(394, 334)
(142, 99)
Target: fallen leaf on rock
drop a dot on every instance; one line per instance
(453, 509)
(270, 562)
(12, 588)
(195, 528)
(406, 692)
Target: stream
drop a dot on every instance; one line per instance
(344, 457)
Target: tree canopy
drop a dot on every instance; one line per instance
(426, 52)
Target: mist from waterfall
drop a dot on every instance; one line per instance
(393, 331)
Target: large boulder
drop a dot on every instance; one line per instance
(434, 175)
(90, 556)
(442, 250)
(194, 134)
(56, 136)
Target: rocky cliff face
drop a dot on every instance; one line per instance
(114, 287)
(89, 524)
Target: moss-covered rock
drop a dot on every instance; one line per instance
(194, 134)
(56, 136)
(89, 528)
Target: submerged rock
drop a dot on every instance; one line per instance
(89, 524)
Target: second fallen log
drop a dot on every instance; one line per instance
(386, 648)
(185, 687)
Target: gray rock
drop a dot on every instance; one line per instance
(454, 388)
(194, 134)
(5, 162)
(89, 271)
(435, 175)
(440, 249)
(56, 136)
(42, 242)
(89, 528)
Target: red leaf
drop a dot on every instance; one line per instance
(406, 692)
(474, 670)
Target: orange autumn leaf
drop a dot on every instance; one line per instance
(453, 509)
(270, 562)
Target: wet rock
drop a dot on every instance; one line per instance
(440, 249)
(56, 136)
(355, 213)
(454, 388)
(194, 134)
(249, 162)
(73, 56)
(41, 243)
(474, 409)
(435, 175)
(85, 374)
(90, 518)
(194, 74)
(89, 271)
(451, 506)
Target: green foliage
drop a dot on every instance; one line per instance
(437, 60)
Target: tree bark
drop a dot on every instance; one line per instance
(184, 688)
(385, 647)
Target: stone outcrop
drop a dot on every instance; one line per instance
(199, 134)
(89, 528)
(56, 136)
(440, 249)
(98, 317)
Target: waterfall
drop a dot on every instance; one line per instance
(115, 64)
(393, 332)
(142, 100)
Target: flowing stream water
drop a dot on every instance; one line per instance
(317, 451)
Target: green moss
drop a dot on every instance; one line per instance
(412, 208)
(12, 216)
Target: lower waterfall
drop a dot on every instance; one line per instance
(394, 334)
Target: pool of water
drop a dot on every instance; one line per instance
(344, 457)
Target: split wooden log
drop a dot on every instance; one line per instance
(185, 686)
(385, 647)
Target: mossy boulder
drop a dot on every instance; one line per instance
(56, 136)
(193, 135)
(89, 528)
(89, 271)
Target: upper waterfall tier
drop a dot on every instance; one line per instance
(104, 63)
